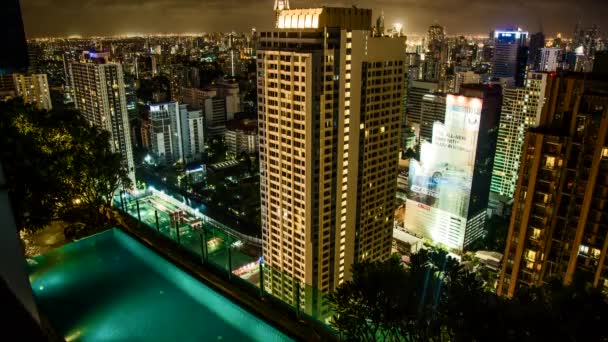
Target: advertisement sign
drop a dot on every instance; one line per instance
(443, 177)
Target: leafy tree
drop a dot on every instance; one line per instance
(217, 151)
(437, 299)
(55, 163)
(99, 172)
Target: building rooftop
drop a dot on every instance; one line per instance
(314, 18)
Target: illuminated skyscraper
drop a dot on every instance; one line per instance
(329, 108)
(99, 94)
(176, 132)
(165, 128)
(448, 188)
(521, 110)
(436, 57)
(559, 224)
(13, 54)
(510, 55)
(33, 89)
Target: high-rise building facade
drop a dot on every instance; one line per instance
(436, 56)
(537, 42)
(510, 55)
(219, 103)
(176, 133)
(548, 59)
(448, 188)
(193, 135)
(165, 127)
(329, 109)
(432, 109)
(13, 54)
(99, 94)
(559, 225)
(416, 91)
(521, 110)
(33, 89)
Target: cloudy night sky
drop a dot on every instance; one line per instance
(110, 17)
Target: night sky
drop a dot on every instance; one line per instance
(110, 17)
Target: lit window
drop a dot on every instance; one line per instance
(605, 152)
(550, 163)
(531, 255)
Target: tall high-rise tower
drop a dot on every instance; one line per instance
(34, 89)
(435, 60)
(13, 54)
(559, 225)
(510, 55)
(521, 110)
(99, 94)
(448, 188)
(537, 42)
(380, 25)
(329, 108)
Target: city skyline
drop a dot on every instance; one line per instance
(71, 17)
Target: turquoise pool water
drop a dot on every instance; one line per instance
(109, 287)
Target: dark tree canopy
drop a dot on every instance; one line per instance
(436, 299)
(55, 163)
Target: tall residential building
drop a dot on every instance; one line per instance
(537, 42)
(329, 109)
(436, 56)
(415, 92)
(165, 128)
(176, 133)
(432, 109)
(13, 54)
(559, 225)
(219, 104)
(193, 136)
(510, 55)
(99, 94)
(521, 110)
(448, 189)
(548, 59)
(33, 89)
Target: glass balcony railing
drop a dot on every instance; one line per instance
(235, 255)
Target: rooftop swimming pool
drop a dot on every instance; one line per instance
(109, 287)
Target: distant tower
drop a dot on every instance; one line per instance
(380, 24)
(280, 5)
(99, 94)
(231, 47)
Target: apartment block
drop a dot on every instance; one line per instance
(559, 225)
(329, 108)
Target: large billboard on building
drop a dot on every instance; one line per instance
(440, 184)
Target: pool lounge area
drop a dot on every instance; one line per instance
(110, 287)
